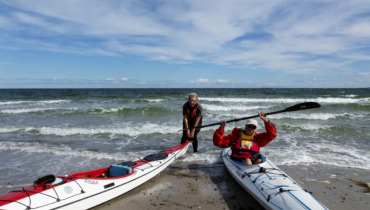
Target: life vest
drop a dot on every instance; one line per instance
(243, 146)
(192, 115)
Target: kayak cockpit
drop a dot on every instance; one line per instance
(114, 171)
(263, 158)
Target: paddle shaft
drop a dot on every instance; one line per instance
(297, 107)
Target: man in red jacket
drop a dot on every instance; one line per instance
(245, 144)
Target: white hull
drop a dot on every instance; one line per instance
(84, 193)
(270, 186)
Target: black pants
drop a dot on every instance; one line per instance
(194, 140)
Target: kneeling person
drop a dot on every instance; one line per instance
(245, 144)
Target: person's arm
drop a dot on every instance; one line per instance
(195, 125)
(197, 119)
(264, 138)
(224, 141)
(186, 124)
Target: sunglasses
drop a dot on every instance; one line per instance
(252, 126)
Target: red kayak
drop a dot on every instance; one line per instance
(88, 189)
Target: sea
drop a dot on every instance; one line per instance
(62, 131)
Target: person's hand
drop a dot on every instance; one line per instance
(263, 116)
(192, 133)
(188, 133)
(222, 123)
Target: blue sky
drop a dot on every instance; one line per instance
(177, 44)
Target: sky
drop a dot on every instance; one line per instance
(184, 44)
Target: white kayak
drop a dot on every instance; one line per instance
(88, 189)
(269, 185)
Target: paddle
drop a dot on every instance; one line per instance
(297, 107)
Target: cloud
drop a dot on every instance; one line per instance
(201, 81)
(364, 74)
(29, 19)
(222, 81)
(305, 37)
(360, 29)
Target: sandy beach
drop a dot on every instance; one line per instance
(200, 186)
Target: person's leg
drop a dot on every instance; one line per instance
(258, 161)
(256, 158)
(195, 144)
(195, 140)
(247, 161)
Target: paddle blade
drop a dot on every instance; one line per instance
(302, 106)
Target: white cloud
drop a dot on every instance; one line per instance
(364, 74)
(304, 37)
(360, 29)
(202, 81)
(222, 81)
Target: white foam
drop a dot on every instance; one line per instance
(226, 108)
(9, 130)
(329, 100)
(311, 116)
(350, 96)
(30, 110)
(113, 110)
(332, 100)
(308, 153)
(14, 102)
(154, 100)
(130, 129)
(52, 102)
(34, 102)
(65, 150)
(298, 116)
(310, 126)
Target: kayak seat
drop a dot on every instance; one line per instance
(119, 170)
(45, 180)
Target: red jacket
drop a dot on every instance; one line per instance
(260, 140)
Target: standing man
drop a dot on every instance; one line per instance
(192, 117)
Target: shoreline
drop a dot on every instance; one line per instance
(201, 186)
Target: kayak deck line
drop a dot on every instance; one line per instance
(263, 171)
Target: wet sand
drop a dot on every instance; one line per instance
(200, 186)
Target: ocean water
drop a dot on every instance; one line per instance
(62, 131)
